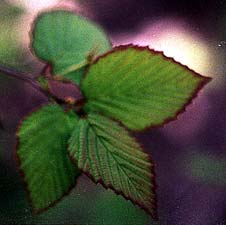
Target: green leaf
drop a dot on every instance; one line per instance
(139, 87)
(76, 76)
(109, 155)
(65, 40)
(42, 152)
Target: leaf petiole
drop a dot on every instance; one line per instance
(74, 67)
(21, 76)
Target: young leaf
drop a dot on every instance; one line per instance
(106, 152)
(65, 40)
(139, 87)
(42, 152)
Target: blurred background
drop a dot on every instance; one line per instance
(189, 154)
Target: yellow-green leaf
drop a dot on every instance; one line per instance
(109, 155)
(139, 87)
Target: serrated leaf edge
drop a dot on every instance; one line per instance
(154, 215)
(194, 94)
(22, 174)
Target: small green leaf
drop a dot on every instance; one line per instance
(76, 76)
(42, 152)
(139, 87)
(65, 40)
(106, 152)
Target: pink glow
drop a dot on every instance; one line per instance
(176, 39)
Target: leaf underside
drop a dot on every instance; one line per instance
(139, 87)
(105, 151)
(42, 152)
(65, 40)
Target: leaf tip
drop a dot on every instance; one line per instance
(148, 202)
(192, 83)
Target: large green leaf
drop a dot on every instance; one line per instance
(139, 87)
(65, 40)
(106, 152)
(42, 152)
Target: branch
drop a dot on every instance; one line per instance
(22, 76)
(27, 78)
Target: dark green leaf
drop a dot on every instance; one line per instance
(106, 152)
(139, 87)
(65, 40)
(42, 151)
